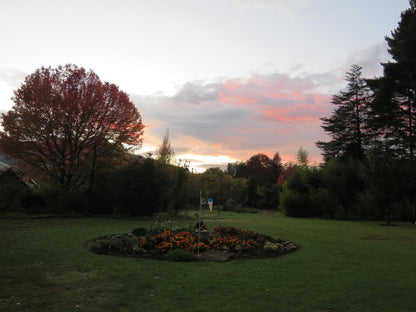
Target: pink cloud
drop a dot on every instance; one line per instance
(236, 99)
(231, 84)
(277, 97)
(236, 93)
(240, 117)
(285, 114)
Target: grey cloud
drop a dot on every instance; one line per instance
(370, 59)
(207, 124)
(196, 92)
(207, 166)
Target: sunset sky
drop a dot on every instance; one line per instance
(228, 78)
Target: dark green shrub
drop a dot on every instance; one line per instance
(295, 204)
(332, 191)
(59, 201)
(115, 244)
(139, 231)
(269, 196)
(390, 184)
(344, 183)
(33, 203)
(230, 205)
(177, 192)
(180, 255)
(136, 189)
(99, 246)
(326, 203)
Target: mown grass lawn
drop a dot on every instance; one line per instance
(45, 265)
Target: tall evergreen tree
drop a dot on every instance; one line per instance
(393, 110)
(345, 126)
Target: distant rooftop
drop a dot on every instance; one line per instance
(6, 160)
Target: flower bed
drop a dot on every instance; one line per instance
(169, 240)
(239, 244)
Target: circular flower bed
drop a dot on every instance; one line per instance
(221, 244)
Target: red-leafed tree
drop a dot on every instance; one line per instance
(62, 121)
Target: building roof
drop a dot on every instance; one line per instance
(5, 168)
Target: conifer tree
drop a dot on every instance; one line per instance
(346, 125)
(393, 110)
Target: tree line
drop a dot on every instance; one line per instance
(77, 135)
(370, 164)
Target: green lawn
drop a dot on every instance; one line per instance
(45, 265)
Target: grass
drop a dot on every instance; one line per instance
(45, 265)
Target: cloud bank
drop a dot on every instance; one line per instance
(240, 117)
(235, 118)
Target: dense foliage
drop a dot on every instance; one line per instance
(371, 155)
(375, 188)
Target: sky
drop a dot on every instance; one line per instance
(228, 78)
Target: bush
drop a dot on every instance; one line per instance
(326, 203)
(33, 203)
(390, 184)
(297, 197)
(136, 189)
(60, 201)
(230, 205)
(140, 231)
(331, 191)
(180, 255)
(344, 183)
(295, 204)
(268, 197)
(115, 244)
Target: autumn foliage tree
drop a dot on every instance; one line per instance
(63, 119)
